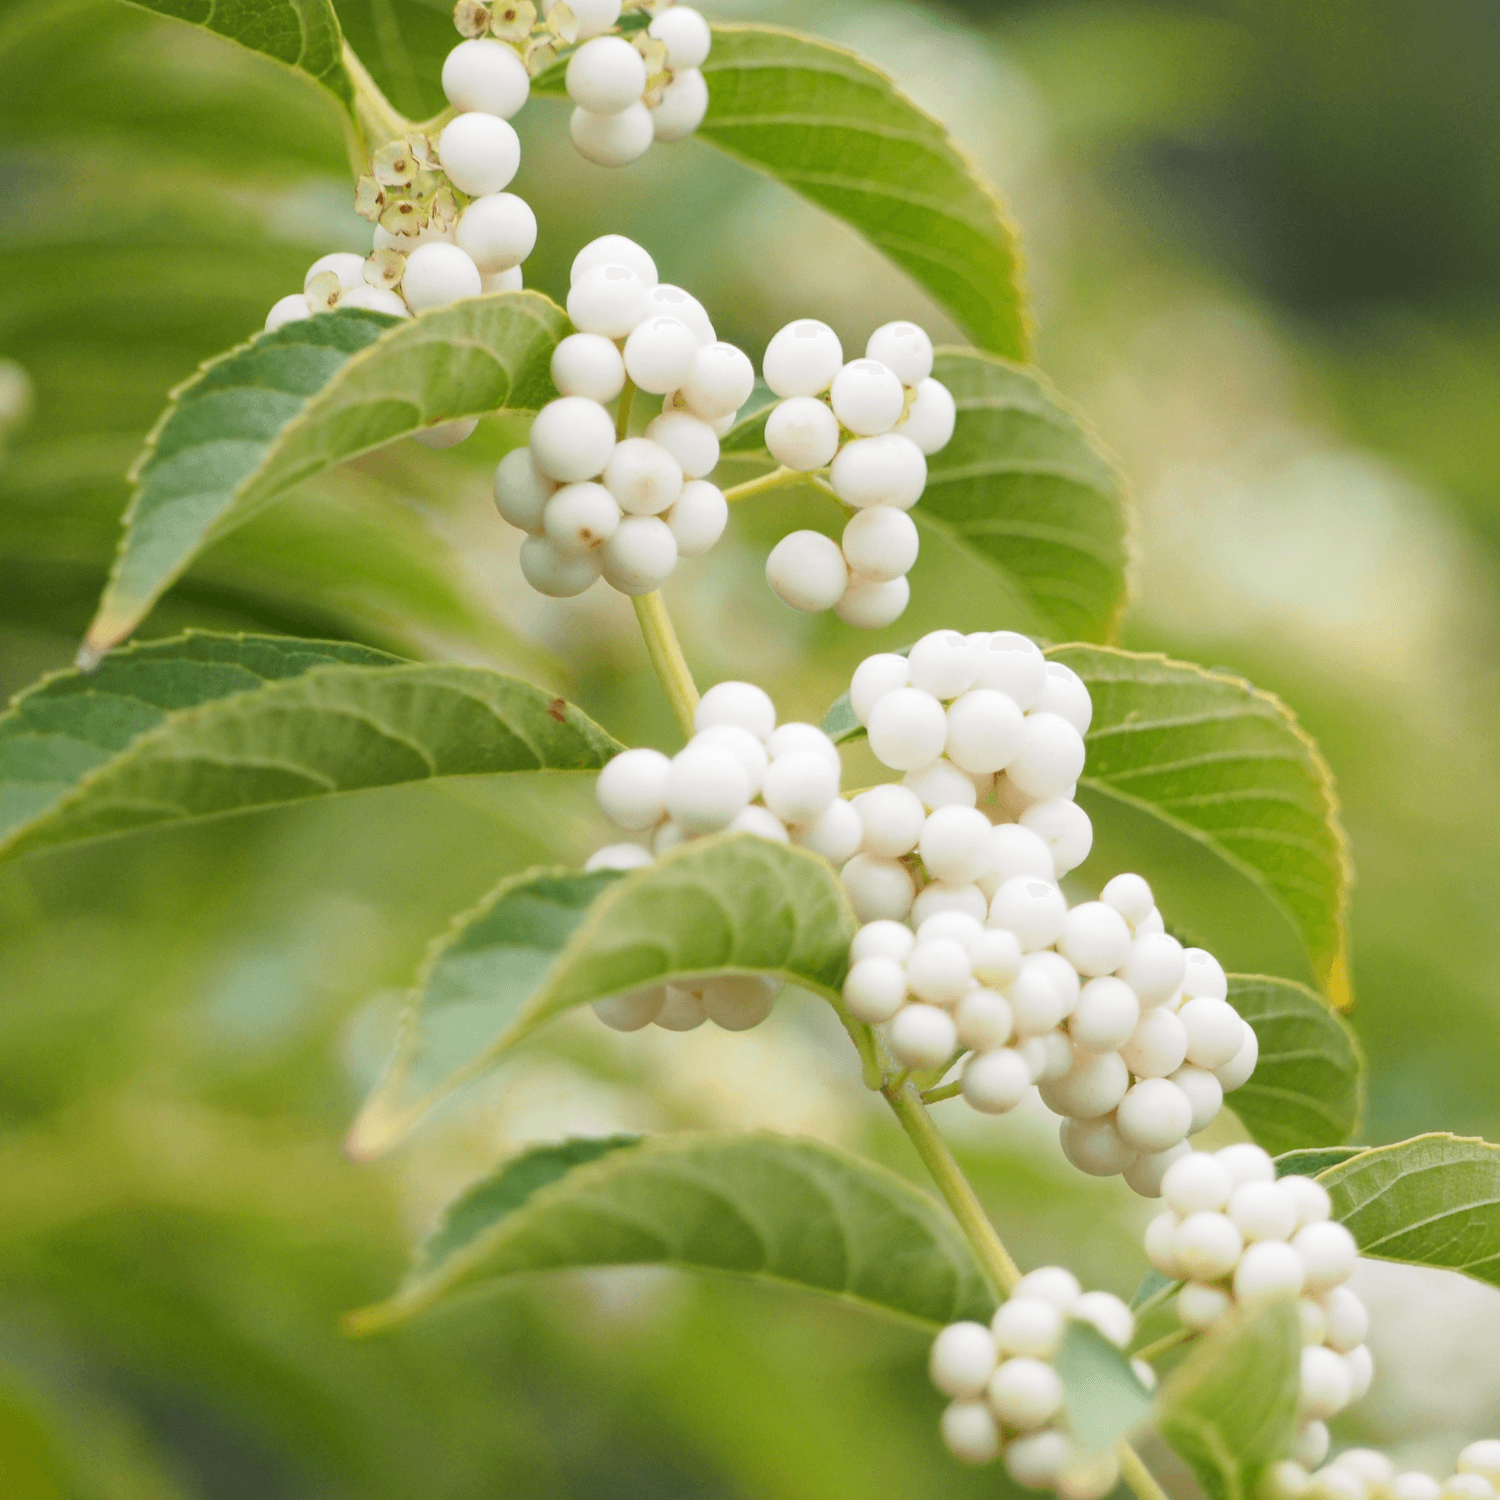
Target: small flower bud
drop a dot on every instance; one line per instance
(562, 23)
(394, 165)
(471, 18)
(384, 269)
(402, 217)
(323, 290)
(369, 198)
(514, 21)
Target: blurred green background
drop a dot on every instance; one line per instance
(1262, 245)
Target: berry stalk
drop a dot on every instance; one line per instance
(377, 119)
(666, 656)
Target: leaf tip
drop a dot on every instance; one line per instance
(374, 1131)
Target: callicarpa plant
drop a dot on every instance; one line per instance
(943, 913)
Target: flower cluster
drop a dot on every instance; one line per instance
(872, 422)
(593, 501)
(1006, 1396)
(1367, 1474)
(1233, 1232)
(740, 772)
(630, 93)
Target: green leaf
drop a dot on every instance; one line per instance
(1152, 1289)
(1103, 1396)
(1220, 762)
(1024, 488)
(402, 44)
(1312, 1163)
(284, 407)
(1431, 1201)
(773, 1208)
(203, 724)
(546, 941)
(837, 130)
(1226, 765)
(1306, 1088)
(1230, 1408)
(300, 34)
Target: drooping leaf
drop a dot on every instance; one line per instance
(1024, 488)
(1230, 1408)
(284, 407)
(837, 130)
(203, 724)
(546, 941)
(1305, 1090)
(1431, 1201)
(775, 1208)
(300, 34)
(1152, 1289)
(1103, 1396)
(1220, 762)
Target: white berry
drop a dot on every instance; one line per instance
(931, 420)
(1025, 1393)
(1065, 828)
(1157, 1046)
(572, 438)
(609, 300)
(922, 1036)
(497, 232)
(698, 517)
(614, 250)
(872, 603)
(802, 434)
(1090, 1089)
(643, 477)
(1154, 1116)
(1268, 1269)
(480, 154)
(878, 888)
(885, 470)
(684, 102)
(706, 787)
(907, 727)
(867, 397)
(606, 75)
(640, 556)
(955, 844)
(559, 575)
(438, 274)
(1207, 1245)
(487, 77)
(632, 1011)
(588, 365)
(1032, 909)
(1329, 1253)
(874, 990)
(904, 348)
(1105, 1017)
(881, 544)
(579, 517)
(1050, 758)
(962, 1360)
(689, 439)
(970, 1432)
(807, 571)
(802, 359)
(292, 309)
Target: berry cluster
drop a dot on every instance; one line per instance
(631, 93)
(740, 772)
(986, 730)
(1233, 1232)
(872, 422)
(1006, 1395)
(625, 507)
(1131, 1038)
(1366, 1474)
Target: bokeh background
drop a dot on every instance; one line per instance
(1262, 243)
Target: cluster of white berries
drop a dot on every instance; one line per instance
(1130, 1037)
(631, 93)
(625, 508)
(872, 422)
(1367, 1474)
(1007, 1396)
(445, 228)
(740, 772)
(1234, 1233)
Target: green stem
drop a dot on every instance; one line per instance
(376, 119)
(777, 479)
(906, 1105)
(1161, 1345)
(666, 656)
(1137, 1475)
(948, 1091)
(622, 415)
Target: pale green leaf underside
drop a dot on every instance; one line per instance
(1431, 1201)
(837, 130)
(1306, 1087)
(202, 725)
(1230, 1408)
(1103, 1397)
(1227, 765)
(1024, 488)
(548, 940)
(290, 404)
(1222, 763)
(773, 1208)
(1314, 1161)
(301, 34)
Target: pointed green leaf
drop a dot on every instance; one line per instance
(548, 940)
(1306, 1088)
(837, 130)
(1226, 765)
(300, 34)
(402, 44)
(1024, 488)
(1220, 762)
(1154, 1288)
(1103, 1396)
(773, 1208)
(1230, 1408)
(1431, 1201)
(289, 404)
(203, 724)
